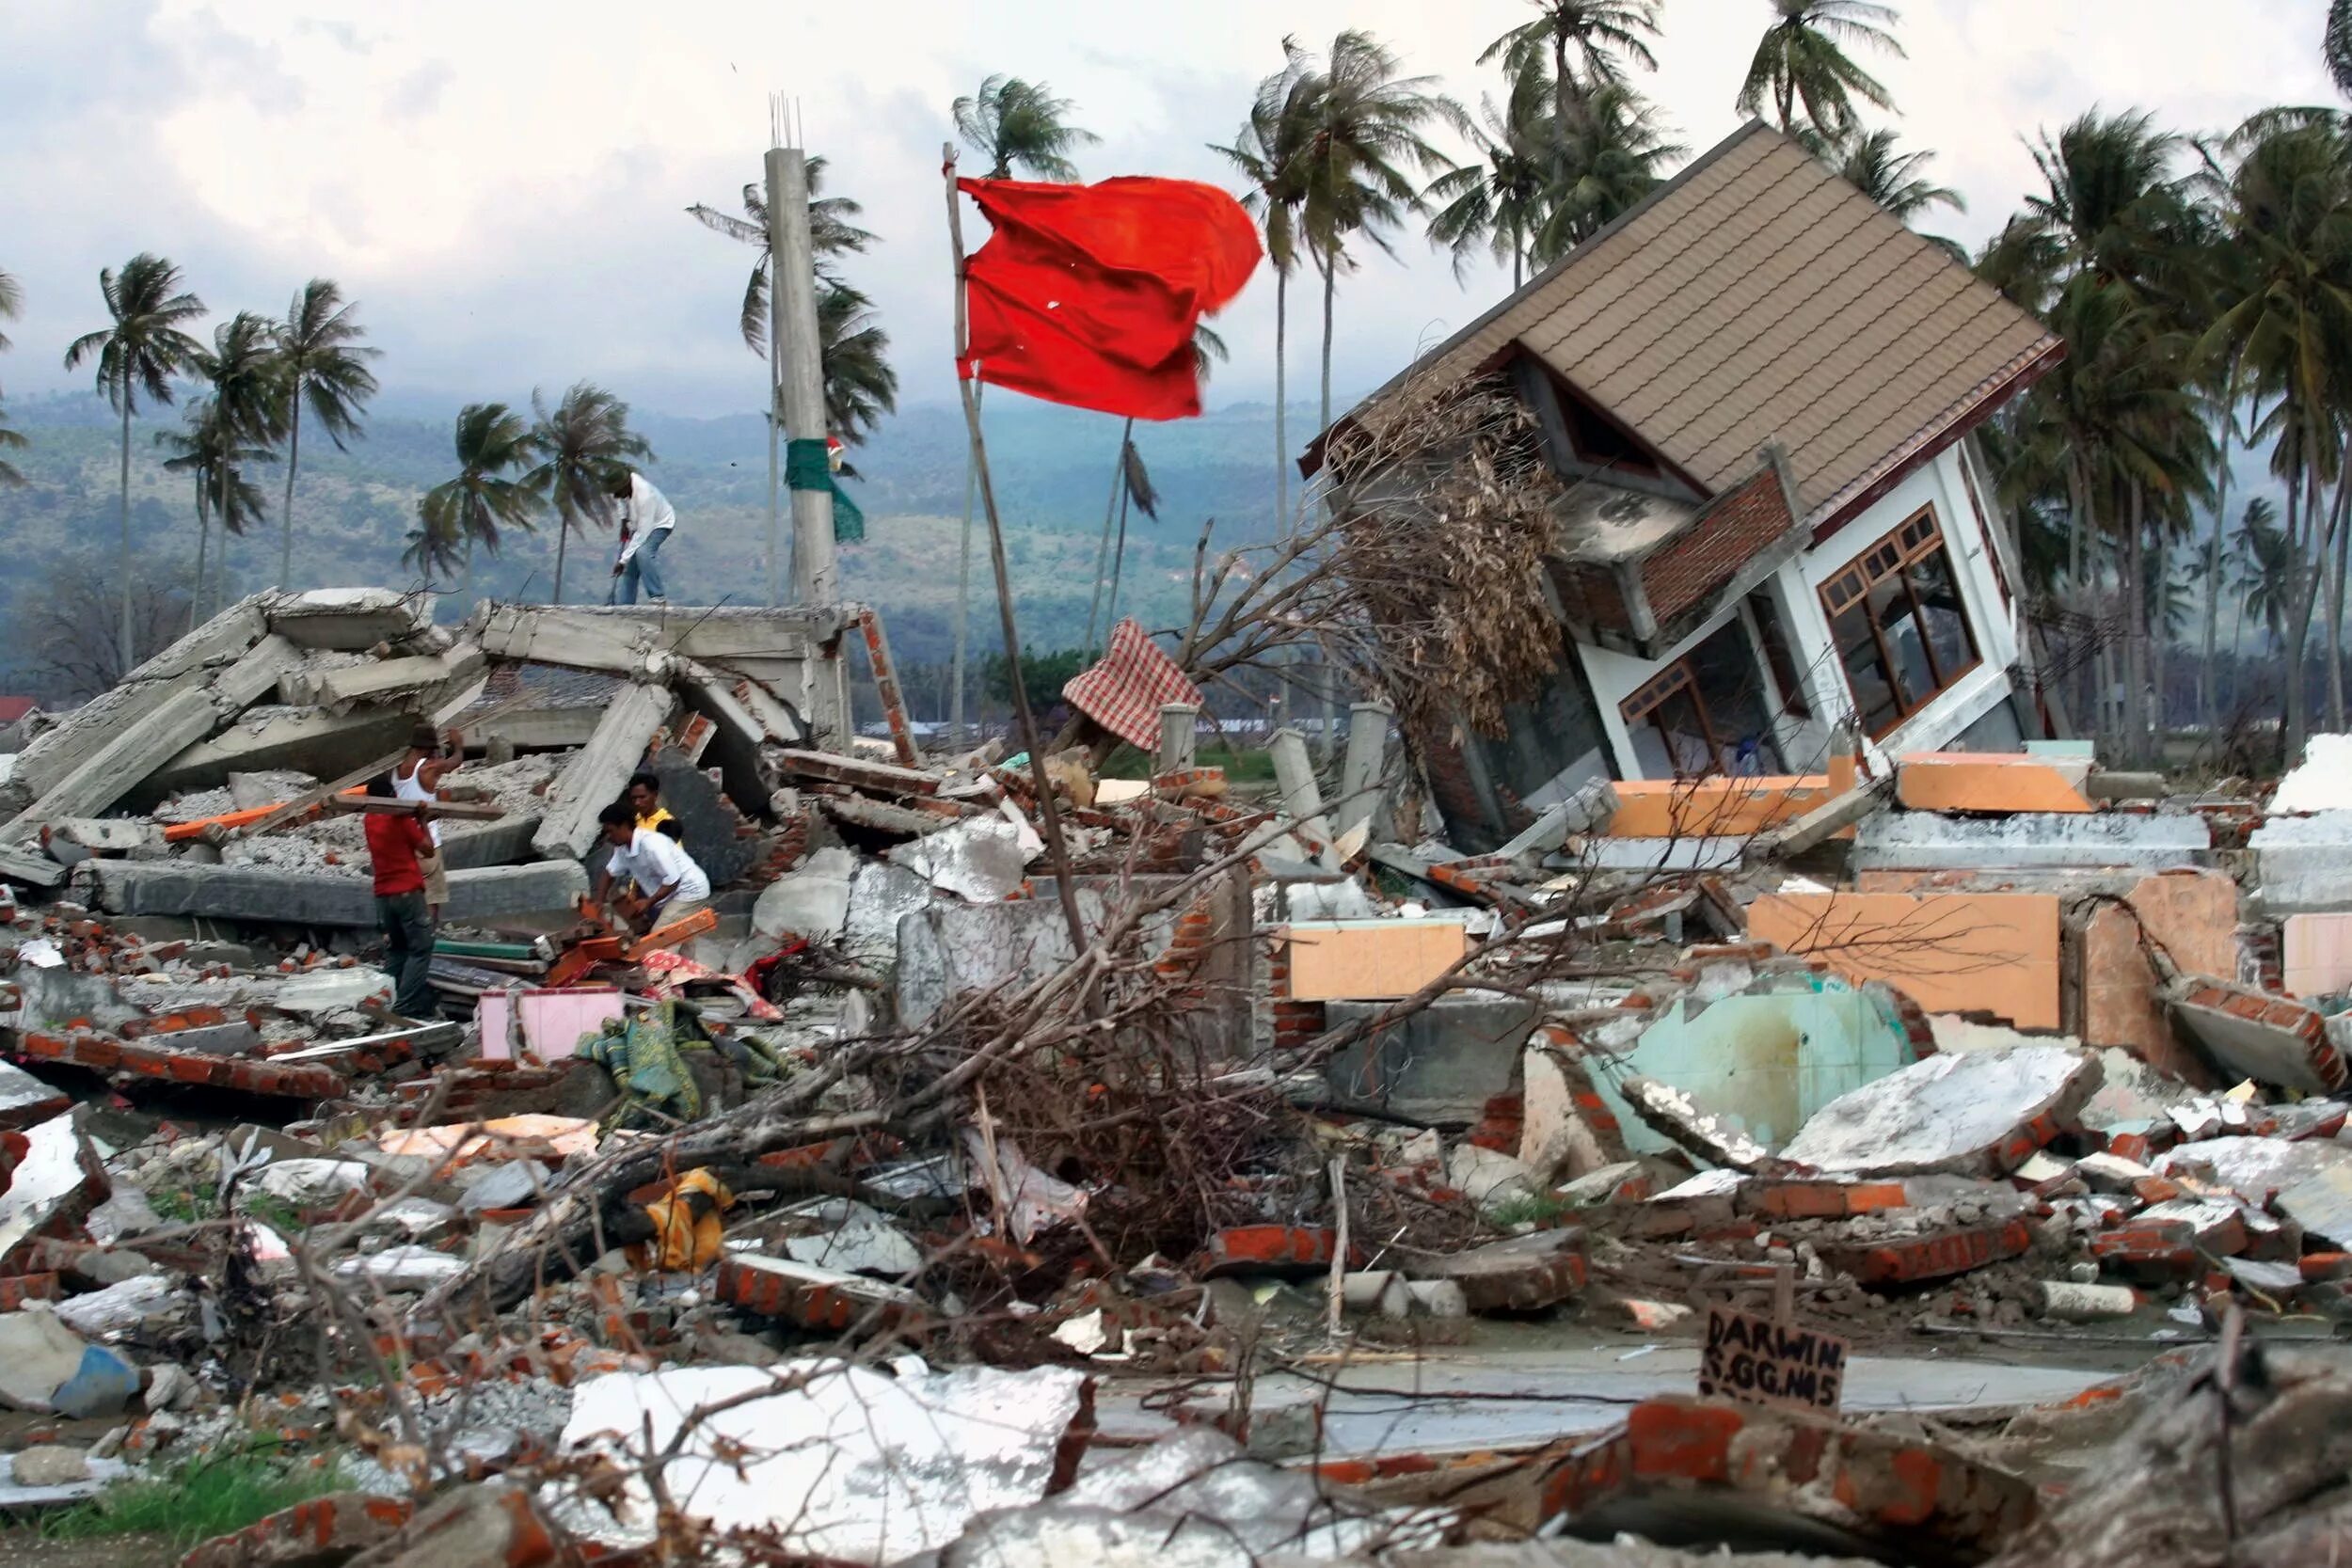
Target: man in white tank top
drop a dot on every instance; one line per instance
(418, 777)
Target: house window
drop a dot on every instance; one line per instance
(1704, 713)
(1777, 655)
(1896, 619)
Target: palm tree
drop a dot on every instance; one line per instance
(11, 302)
(141, 350)
(1020, 125)
(1604, 161)
(320, 357)
(860, 385)
(1269, 153)
(10, 440)
(1498, 202)
(1364, 121)
(248, 402)
(2261, 575)
(474, 508)
(1802, 60)
(1598, 30)
(2289, 213)
(214, 456)
(2336, 48)
(2113, 204)
(580, 444)
(1896, 181)
(830, 234)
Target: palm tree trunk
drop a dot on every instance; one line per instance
(2135, 629)
(2091, 701)
(469, 573)
(2298, 612)
(228, 476)
(2335, 611)
(1330, 285)
(1281, 447)
(563, 537)
(1103, 547)
(125, 649)
(285, 508)
(2208, 693)
(203, 545)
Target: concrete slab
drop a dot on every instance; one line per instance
(2254, 1034)
(1975, 1115)
(1923, 841)
(946, 949)
(305, 739)
(2304, 865)
(121, 765)
(348, 618)
(1995, 953)
(596, 776)
(1438, 1067)
(298, 898)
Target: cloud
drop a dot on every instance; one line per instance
(510, 213)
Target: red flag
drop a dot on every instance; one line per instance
(1088, 295)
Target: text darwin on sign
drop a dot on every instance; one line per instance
(1763, 1362)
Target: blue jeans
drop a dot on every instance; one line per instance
(644, 567)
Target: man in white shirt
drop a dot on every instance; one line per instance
(646, 519)
(670, 886)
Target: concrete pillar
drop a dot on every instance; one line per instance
(1302, 798)
(1359, 775)
(1178, 729)
(598, 774)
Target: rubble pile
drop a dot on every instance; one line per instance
(967, 1182)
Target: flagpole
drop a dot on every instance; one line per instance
(1027, 722)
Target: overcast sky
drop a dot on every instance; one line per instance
(502, 182)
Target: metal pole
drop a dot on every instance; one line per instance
(1025, 722)
(793, 298)
(963, 582)
(775, 367)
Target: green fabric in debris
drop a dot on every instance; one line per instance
(643, 1055)
(807, 465)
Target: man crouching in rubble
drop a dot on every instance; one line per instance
(670, 886)
(397, 846)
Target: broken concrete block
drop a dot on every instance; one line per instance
(1975, 1115)
(1627, 1182)
(1525, 1274)
(1558, 1136)
(1675, 1116)
(1489, 1180)
(596, 775)
(2304, 865)
(336, 1527)
(1923, 841)
(2254, 1034)
(1935, 1254)
(390, 680)
(1376, 1293)
(1995, 953)
(275, 739)
(1587, 810)
(121, 765)
(867, 1247)
(981, 859)
(25, 1100)
(348, 618)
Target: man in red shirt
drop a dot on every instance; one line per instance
(395, 842)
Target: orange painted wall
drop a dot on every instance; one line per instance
(1713, 808)
(1991, 951)
(1334, 960)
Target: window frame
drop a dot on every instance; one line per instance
(1891, 556)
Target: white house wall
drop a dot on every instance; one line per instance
(1797, 589)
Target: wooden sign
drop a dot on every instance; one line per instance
(1754, 1359)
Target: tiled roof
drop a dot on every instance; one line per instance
(1755, 298)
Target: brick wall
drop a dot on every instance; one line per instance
(1738, 525)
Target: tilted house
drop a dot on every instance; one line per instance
(1754, 390)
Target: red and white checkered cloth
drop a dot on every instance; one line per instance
(1124, 692)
